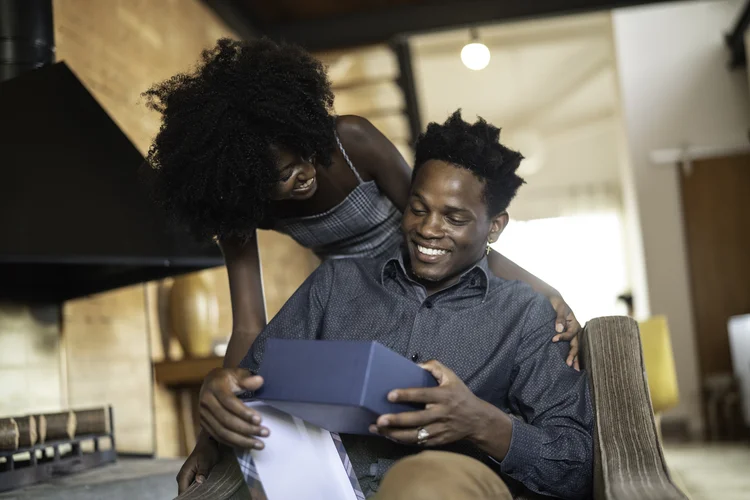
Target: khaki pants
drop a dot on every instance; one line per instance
(437, 475)
(430, 475)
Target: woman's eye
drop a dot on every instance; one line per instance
(286, 176)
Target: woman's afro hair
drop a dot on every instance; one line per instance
(213, 163)
(475, 147)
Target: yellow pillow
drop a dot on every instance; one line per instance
(659, 360)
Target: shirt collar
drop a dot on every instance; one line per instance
(479, 273)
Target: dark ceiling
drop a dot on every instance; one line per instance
(334, 24)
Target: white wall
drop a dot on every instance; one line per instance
(676, 90)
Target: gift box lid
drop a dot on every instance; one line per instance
(339, 385)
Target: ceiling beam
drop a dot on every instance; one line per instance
(366, 28)
(405, 81)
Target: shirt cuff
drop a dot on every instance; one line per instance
(525, 444)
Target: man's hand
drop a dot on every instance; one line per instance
(452, 412)
(568, 328)
(196, 468)
(222, 413)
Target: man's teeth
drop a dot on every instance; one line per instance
(431, 251)
(306, 184)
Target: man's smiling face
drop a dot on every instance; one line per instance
(446, 224)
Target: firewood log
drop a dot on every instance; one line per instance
(8, 434)
(93, 421)
(41, 428)
(27, 431)
(60, 425)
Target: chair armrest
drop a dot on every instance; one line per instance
(628, 459)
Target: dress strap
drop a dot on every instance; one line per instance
(346, 157)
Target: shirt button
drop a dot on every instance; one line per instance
(474, 282)
(414, 357)
(428, 304)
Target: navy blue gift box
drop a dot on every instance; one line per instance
(341, 386)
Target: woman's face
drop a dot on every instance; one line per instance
(296, 177)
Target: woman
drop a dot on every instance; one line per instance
(249, 140)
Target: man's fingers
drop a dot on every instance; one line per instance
(409, 436)
(411, 418)
(435, 368)
(417, 395)
(227, 436)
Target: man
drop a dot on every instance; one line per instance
(507, 410)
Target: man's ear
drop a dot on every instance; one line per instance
(497, 225)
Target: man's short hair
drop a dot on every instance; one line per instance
(475, 147)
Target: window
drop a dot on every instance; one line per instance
(582, 256)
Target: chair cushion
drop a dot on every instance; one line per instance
(659, 362)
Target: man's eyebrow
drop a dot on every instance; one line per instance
(447, 208)
(452, 209)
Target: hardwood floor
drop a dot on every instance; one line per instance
(711, 471)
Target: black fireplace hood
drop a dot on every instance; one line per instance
(75, 217)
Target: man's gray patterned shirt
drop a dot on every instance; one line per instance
(494, 334)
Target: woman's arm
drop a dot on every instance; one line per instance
(246, 292)
(505, 268)
(375, 156)
(566, 324)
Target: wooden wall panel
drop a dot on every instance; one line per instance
(715, 196)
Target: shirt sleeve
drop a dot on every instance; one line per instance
(551, 450)
(300, 318)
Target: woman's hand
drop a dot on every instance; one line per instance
(567, 328)
(198, 465)
(223, 415)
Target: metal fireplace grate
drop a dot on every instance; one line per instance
(45, 461)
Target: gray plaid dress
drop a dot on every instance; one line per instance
(364, 224)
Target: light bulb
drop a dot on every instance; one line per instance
(475, 55)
